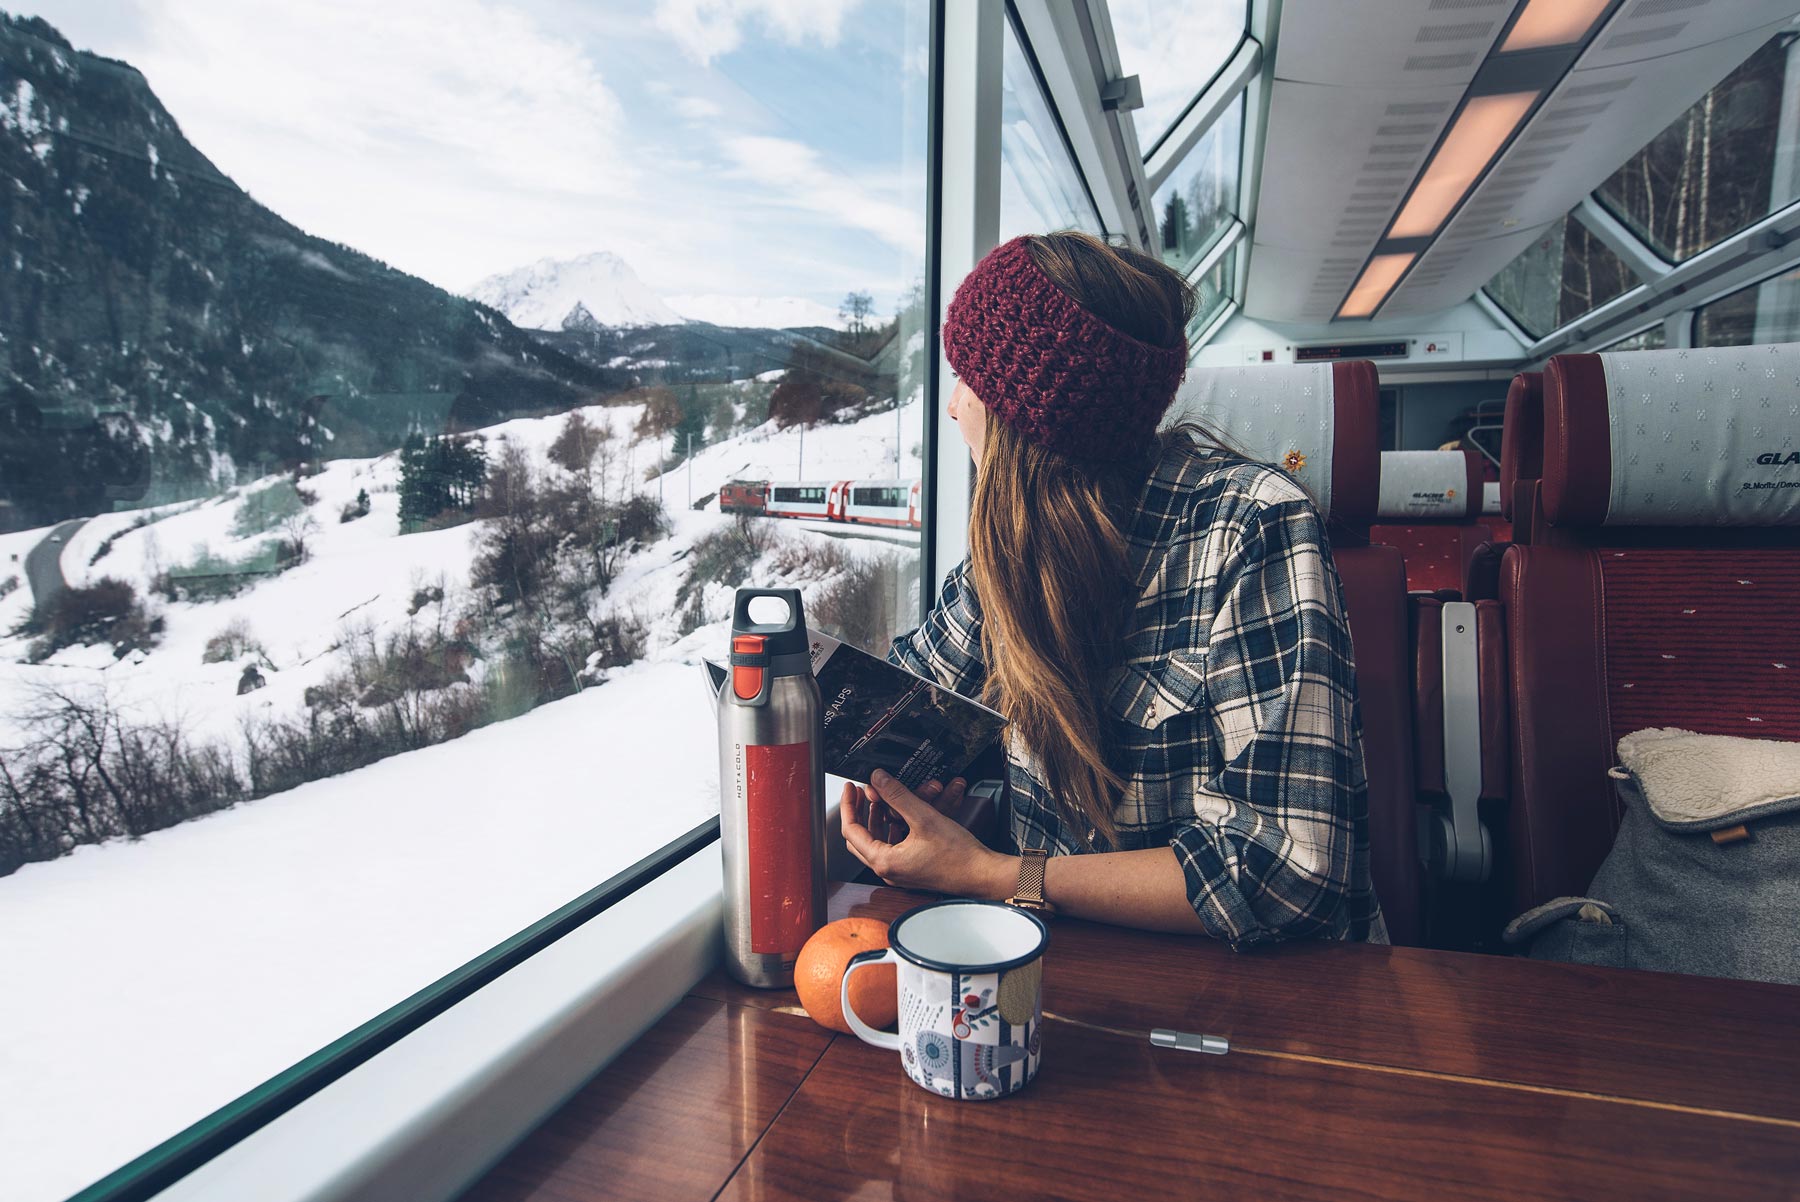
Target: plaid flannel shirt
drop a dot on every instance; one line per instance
(1235, 720)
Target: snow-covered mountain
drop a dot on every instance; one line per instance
(757, 312)
(546, 294)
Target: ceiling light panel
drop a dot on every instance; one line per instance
(1377, 280)
(1552, 23)
(1477, 135)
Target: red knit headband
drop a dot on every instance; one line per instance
(1050, 369)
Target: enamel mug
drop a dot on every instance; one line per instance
(971, 996)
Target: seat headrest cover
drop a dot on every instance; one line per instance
(1317, 422)
(1445, 485)
(1703, 437)
(1490, 497)
(1522, 436)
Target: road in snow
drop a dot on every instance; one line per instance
(43, 564)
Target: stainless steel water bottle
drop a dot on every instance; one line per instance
(771, 794)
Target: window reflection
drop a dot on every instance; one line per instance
(1195, 205)
(1725, 163)
(393, 433)
(1762, 313)
(1566, 272)
(1040, 187)
(1175, 48)
(1651, 339)
(1213, 293)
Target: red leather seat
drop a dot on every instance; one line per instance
(1430, 508)
(1658, 589)
(1521, 466)
(1322, 422)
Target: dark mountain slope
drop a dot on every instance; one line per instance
(161, 331)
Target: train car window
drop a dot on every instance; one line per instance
(1765, 312)
(1213, 293)
(1196, 203)
(1725, 163)
(1651, 339)
(1040, 186)
(395, 406)
(1566, 272)
(1172, 45)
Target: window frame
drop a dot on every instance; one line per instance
(199, 1143)
(1016, 24)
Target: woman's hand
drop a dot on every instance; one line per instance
(932, 850)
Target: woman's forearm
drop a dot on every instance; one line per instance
(1144, 889)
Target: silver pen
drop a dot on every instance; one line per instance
(1212, 1045)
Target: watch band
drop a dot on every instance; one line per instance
(1030, 892)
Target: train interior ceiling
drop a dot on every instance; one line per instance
(1511, 287)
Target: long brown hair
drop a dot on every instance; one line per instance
(1048, 548)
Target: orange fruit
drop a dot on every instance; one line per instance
(819, 975)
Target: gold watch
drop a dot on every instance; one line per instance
(1030, 893)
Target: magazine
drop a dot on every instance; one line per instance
(873, 714)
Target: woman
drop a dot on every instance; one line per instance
(1158, 617)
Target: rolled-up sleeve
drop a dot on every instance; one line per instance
(947, 647)
(1269, 852)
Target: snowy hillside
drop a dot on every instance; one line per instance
(353, 891)
(546, 294)
(757, 312)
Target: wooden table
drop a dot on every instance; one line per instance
(1354, 1072)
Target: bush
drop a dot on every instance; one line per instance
(618, 640)
(209, 576)
(9, 586)
(233, 641)
(108, 611)
(82, 775)
(266, 508)
(434, 595)
(865, 603)
(809, 559)
(641, 520)
(358, 508)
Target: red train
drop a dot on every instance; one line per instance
(862, 502)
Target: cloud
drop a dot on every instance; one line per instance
(394, 127)
(796, 178)
(696, 108)
(709, 29)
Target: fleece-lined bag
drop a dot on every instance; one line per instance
(1704, 876)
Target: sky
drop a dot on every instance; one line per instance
(742, 147)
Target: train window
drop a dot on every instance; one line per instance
(1722, 165)
(1566, 272)
(1195, 204)
(1765, 312)
(1171, 45)
(1040, 186)
(1213, 293)
(1651, 339)
(339, 556)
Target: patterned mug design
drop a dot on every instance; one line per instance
(970, 976)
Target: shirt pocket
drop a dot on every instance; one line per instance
(1147, 695)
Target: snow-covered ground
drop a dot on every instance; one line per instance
(144, 984)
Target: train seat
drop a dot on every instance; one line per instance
(1320, 422)
(1658, 590)
(1521, 466)
(1430, 507)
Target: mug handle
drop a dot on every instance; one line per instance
(864, 1031)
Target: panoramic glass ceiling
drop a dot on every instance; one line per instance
(1174, 47)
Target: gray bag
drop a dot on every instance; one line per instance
(1704, 875)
